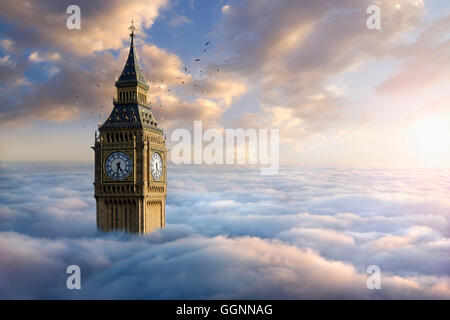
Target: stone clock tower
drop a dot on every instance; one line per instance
(130, 158)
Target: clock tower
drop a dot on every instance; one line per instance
(130, 158)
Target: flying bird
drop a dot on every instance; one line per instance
(197, 60)
(207, 43)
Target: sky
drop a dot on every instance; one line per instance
(340, 94)
(231, 234)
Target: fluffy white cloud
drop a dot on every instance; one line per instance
(35, 56)
(104, 23)
(232, 233)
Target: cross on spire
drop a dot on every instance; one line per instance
(132, 28)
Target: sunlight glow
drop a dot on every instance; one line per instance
(429, 139)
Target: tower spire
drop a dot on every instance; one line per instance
(131, 100)
(132, 72)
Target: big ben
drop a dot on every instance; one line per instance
(130, 158)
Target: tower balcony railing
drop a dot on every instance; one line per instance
(128, 101)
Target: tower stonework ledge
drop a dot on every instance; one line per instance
(130, 158)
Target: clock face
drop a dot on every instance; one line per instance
(156, 166)
(118, 165)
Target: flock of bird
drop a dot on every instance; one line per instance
(186, 70)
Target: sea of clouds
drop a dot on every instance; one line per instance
(231, 233)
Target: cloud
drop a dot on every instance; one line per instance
(104, 24)
(68, 90)
(80, 85)
(301, 234)
(226, 9)
(11, 78)
(36, 57)
(425, 61)
(294, 58)
(7, 44)
(177, 20)
(230, 268)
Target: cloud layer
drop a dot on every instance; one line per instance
(231, 233)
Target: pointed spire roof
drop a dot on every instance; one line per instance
(132, 72)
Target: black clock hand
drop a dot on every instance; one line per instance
(118, 167)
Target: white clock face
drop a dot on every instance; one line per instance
(156, 166)
(118, 165)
